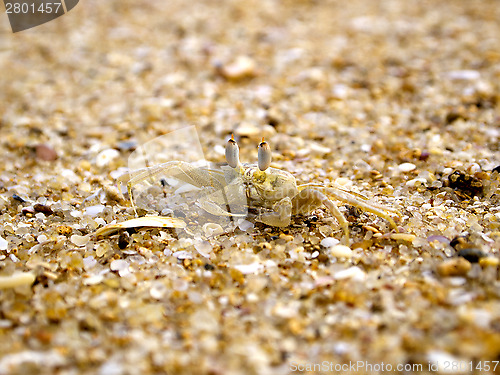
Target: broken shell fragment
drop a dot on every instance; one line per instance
(141, 222)
(17, 279)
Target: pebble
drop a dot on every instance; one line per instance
(105, 157)
(329, 242)
(454, 267)
(118, 265)
(46, 210)
(3, 244)
(473, 255)
(94, 210)
(354, 272)
(341, 251)
(406, 167)
(45, 152)
(242, 67)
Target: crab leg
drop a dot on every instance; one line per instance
(369, 207)
(180, 170)
(310, 198)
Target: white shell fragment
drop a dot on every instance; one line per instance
(79, 240)
(17, 279)
(3, 244)
(141, 222)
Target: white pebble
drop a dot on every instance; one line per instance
(93, 280)
(79, 240)
(118, 265)
(341, 251)
(89, 262)
(3, 244)
(94, 210)
(42, 238)
(249, 268)
(105, 157)
(183, 254)
(406, 167)
(329, 242)
(354, 273)
(158, 290)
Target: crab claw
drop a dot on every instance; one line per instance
(264, 155)
(232, 153)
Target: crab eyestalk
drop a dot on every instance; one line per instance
(264, 155)
(232, 153)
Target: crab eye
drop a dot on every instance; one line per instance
(264, 155)
(232, 153)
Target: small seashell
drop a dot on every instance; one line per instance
(212, 229)
(17, 279)
(79, 240)
(204, 248)
(141, 222)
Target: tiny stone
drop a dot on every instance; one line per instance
(118, 265)
(45, 152)
(341, 251)
(105, 157)
(3, 244)
(354, 272)
(94, 210)
(406, 167)
(42, 238)
(454, 267)
(471, 254)
(329, 242)
(46, 210)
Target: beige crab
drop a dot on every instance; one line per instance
(233, 189)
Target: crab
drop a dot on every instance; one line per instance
(232, 189)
